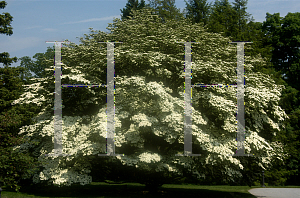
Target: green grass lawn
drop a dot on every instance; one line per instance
(104, 190)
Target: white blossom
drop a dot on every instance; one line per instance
(148, 157)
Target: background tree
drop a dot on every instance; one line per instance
(283, 36)
(149, 106)
(131, 5)
(14, 165)
(243, 19)
(38, 66)
(166, 9)
(25, 75)
(5, 28)
(198, 11)
(261, 34)
(223, 18)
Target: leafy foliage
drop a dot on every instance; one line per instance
(283, 36)
(14, 165)
(233, 22)
(131, 5)
(5, 21)
(166, 9)
(270, 39)
(198, 11)
(149, 105)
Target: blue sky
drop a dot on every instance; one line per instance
(38, 21)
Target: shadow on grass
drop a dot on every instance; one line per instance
(104, 190)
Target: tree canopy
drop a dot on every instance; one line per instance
(166, 9)
(14, 165)
(36, 66)
(131, 5)
(149, 105)
(283, 35)
(198, 11)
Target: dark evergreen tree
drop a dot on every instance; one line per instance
(132, 4)
(166, 9)
(243, 18)
(14, 165)
(223, 19)
(288, 173)
(282, 34)
(198, 11)
(5, 28)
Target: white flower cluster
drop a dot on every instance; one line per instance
(149, 157)
(31, 95)
(61, 176)
(77, 77)
(143, 120)
(129, 161)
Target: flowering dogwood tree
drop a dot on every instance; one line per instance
(149, 105)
